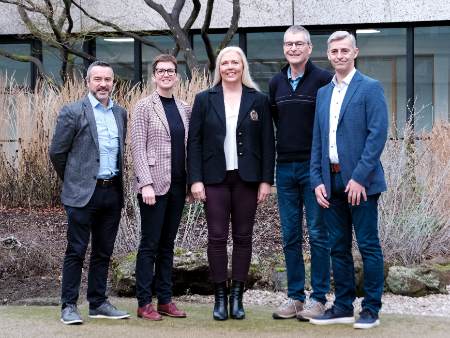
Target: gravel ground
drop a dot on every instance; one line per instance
(432, 305)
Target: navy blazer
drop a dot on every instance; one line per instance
(361, 135)
(254, 138)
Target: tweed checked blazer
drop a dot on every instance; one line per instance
(151, 142)
(74, 150)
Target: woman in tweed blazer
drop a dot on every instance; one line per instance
(159, 130)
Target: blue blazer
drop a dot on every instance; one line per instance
(360, 136)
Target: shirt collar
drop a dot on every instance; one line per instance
(289, 75)
(95, 102)
(346, 80)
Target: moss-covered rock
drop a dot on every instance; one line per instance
(414, 281)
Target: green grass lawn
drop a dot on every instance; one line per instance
(43, 321)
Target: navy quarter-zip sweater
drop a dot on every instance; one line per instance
(293, 111)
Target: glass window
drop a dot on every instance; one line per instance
(119, 52)
(216, 39)
(52, 62)
(319, 53)
(265, 56)
(382, 55)
(431, 76)
(9, 67)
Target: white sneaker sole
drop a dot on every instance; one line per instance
(71, 322)
(366, 326)
(343, 320)
(109, 317)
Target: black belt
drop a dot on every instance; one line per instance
(108, 182)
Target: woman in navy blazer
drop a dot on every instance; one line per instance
(230, 168)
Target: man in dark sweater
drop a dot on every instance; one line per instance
(293, 101)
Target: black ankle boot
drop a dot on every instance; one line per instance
(220, 301)
(236, 307)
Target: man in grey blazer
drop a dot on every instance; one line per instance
(350, 131)
(87, 152)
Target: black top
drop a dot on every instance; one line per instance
(176, 139)
(293, 111)
(254, 138)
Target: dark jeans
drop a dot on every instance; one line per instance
(159, 226)
(101, 217)
(294, 191)
(236, 198)
(339, 219)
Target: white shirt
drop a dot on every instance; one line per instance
(337, 98)
(230, 147)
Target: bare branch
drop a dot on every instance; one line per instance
(233, 25)
(19, 4)
(67, 15)
(26, 58)
(117, 28)
(193, 16)
(176, 10)
(160, 10)
(205, 37)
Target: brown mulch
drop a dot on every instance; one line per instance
(32, 244)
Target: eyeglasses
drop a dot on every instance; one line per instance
(299, 44)
(162, 71)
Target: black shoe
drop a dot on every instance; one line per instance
(236, 307)
(70, 315)
(333, 316)
(220, 301)
(366, 320)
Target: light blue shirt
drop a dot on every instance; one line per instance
(294, 83)
(108, 138)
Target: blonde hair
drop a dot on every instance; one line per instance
(246, 78)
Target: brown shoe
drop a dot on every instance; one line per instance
(311, 309)
(289, 309)
(171, 310)
(148, 312)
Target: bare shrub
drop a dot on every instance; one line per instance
(415, 211)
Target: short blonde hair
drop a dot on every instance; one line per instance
(246, 78)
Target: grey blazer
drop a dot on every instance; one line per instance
(74, 150)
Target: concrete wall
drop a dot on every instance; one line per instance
(136, 15)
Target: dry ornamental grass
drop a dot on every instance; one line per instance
(414, 213)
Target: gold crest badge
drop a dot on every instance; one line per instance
(254, 115)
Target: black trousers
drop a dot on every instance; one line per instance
(159, 227)
(101, 217)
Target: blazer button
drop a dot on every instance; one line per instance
(240, 154)
(240, 143)
(240, 133)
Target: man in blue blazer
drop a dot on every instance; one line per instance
(350, 131)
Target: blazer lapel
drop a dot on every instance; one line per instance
(247, 100)
(89, 112)
(352, 87)
(218, 104)
(159, 110)
(119, 123)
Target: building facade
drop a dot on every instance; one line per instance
(404, 44)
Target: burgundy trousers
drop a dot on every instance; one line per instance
(235, 199)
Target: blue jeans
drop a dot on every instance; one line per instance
(339, 219)
(294, 191)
